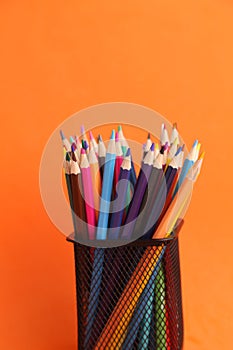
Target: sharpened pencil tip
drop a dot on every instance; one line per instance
(175, 125)
(100, 138)
(62, 135)
(128, 152)
(112, 135)
(83, 151)
(67, 157)
(117, 136)
(91, 135)
(202, 155)
(195, 143)
(152, 147)
(85, 144)
(148, 136)
(73, 148)
(82, 129)
(71, 139)
(178, 151)
(119, 127)
(166, 146)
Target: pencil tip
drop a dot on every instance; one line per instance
(67, 157)
(82, 129)
(128, 153)
(195, 143)
(71, 139)
(83, 151)
(112, 135)
(202, 155)
(100, 138)
(152, 147)
(62, 135)
(148, 136)
(117, 136)
(166, 146)
(91, 135)
(119, 127)
(175, 125)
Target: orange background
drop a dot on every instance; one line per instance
(58, 57)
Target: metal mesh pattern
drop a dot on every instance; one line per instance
(129, 297)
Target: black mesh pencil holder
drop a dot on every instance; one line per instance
(129, 297)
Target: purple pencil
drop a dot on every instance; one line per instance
(139, 193)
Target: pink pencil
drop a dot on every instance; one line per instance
(119, 159)
(88, 194)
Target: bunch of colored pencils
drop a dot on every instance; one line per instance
(110, 202)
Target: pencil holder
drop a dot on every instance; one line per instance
(129, 297)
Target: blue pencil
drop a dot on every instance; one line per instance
(106, 189)
(188, 163)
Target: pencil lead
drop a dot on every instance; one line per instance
(119, 127)
(166, 146)
(71, 139)
(152, 147)
(67, 157)
(83, 151)
(83, 144)
(195, 143)
(100, 138)
(117, 136)
(148, 136)
(73, 148)
(178, 151)
(202, 155)
(112, 135)
(128, 153)
(82, 129)
(62, 135)
(175, 125)
(91, 135)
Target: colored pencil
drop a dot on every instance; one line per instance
(78, 201)
(93, 142)
(106, 188)
(164, 138)
(119, 203)
(188, 163)
(147, 145)
(101, 154)
(119, 159)
(95, 180)
(139, 193)
(124, 143)
(65, 142)
(174, 134)
(88, 194)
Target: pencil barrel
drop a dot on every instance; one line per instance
(139, 303)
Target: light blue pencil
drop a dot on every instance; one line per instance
(188, 163)
(106, 189)
(101, 234)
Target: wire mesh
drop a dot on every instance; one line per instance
(151, 316)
